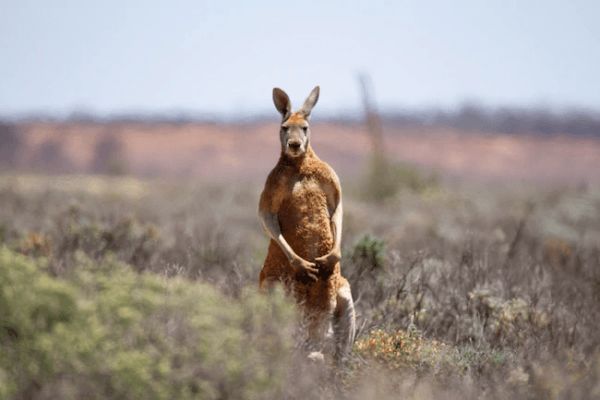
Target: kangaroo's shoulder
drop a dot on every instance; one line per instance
(279, 175)
(316, 167)
(322, 172)
(276, 184)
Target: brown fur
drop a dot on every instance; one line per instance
(304, 219)
(296, 118)
(301, 210)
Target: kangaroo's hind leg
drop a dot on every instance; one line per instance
(344, 321)
(317, 324)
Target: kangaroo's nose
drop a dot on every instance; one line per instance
(294, 145)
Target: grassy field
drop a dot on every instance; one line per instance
(122, 288)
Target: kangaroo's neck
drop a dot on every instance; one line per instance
(298, 163)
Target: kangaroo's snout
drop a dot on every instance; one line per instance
(294, 144)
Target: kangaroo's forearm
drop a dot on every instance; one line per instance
(336, 226)
(271, 227)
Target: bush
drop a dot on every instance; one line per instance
(11, 143)
(51, 157)
(511, 297)
(132, 241)
(384, 179)
(369, 253)
(108, 332)
(409, 350)
(109, 156)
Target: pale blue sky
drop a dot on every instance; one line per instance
(120, 56)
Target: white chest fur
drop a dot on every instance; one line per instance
(303, 186)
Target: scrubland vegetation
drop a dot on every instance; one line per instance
(121, 288)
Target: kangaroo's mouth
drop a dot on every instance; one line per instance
(294, 148)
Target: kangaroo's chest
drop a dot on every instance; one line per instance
(304, 218)
(304, 210)
(306, 196)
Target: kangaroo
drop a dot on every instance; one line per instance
(301, 211)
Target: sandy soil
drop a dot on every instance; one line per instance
(248, 151)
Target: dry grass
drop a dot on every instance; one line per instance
(461, 292)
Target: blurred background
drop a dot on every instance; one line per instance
(467, 138)
(487, 91)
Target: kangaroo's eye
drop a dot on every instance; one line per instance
(305, 128)
(284, 129)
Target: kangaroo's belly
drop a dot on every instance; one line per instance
(304, 219)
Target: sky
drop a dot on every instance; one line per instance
(224, 57)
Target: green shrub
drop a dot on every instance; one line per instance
(369, 253)
(108, 332)
(131, 240)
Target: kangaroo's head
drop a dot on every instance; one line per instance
(294, 131)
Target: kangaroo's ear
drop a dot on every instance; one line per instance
(310, 102)
(282, 102)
